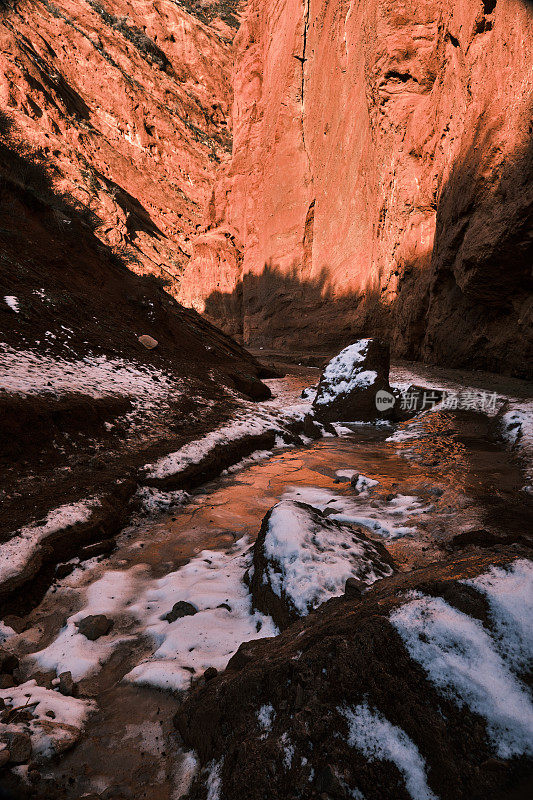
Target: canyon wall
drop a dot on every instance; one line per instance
(126, 104)
(381, 181)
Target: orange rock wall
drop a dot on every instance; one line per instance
(381, 180)
(128, 102)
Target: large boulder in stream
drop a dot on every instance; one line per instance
(303, 558)
(350, 382)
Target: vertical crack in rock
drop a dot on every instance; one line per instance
(303, 59)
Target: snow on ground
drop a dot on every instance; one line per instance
(213, 583)
(464, 659)
(57, 721)
(510, 596)
(154, 501)
(72, 652)
(12, 302)
(517, 430)
(248, 421)
(379, 740)
(16, 553)
(310, 561)
(343, 374)
(387, 520)
(26, 372)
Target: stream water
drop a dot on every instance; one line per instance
(448, 477)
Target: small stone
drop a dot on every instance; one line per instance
(180, 609)
(6, 681)
(210, 673)
(50, 714)
(148, 341)
(8, 662)
(5, 757)
(19, 747)
(94, 626)
(354, 479)
(354, 587)
(66, 684)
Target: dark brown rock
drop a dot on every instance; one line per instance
(94, 626)
(251, 386)
(180, 609)
(20, 747)
(66, 684)
(355, 384)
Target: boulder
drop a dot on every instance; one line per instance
(355, 384)
(66, 685)
(251, 386)
(303, 558)
(19, 745)
(148, 341)
(8, 662)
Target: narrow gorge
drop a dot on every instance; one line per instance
(266, 399)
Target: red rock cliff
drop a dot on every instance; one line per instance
(127, 102)
(381, 180)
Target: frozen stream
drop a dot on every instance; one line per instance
(446, 479)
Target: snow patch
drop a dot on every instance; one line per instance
(71, 651)
(265, 716)
(16, 553)
(49, 735)
(510, 596)
(188, 646)
(13, 303)
(154, 501)
(387, 520)
(464, 660)
(379, 740)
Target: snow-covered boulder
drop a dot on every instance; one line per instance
(302, 558)
(349, 383)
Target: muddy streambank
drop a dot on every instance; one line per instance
(447, 504)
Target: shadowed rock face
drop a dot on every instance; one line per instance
(380, 181)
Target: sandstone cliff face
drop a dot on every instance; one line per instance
(381, 181)
(127, 103)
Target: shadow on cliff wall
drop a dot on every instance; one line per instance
(28, 173)
(282, 310)
(465, 304)
(480, 309)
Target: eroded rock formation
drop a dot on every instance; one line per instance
(127, 103)
(380, 181)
